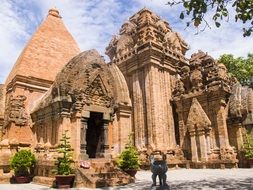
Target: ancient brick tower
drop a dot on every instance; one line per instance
(49, 49)
(148, 52)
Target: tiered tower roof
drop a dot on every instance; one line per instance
(146, 29)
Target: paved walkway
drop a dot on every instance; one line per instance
(191, 179)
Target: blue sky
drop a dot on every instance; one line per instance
(93, 22)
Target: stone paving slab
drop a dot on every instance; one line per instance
(189, 179)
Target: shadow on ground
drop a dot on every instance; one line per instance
(203, 184)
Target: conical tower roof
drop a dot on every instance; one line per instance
(49, 49)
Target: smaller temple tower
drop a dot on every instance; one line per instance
(49, 49)
(202, 104)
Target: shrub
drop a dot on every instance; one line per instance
(22, 161)
(128, 158)
(248, 145)
(64, 162)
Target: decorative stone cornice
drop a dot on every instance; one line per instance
(30, 83)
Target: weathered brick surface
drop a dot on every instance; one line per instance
(50, 48)
(1, 100)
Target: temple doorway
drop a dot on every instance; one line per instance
(94, 135)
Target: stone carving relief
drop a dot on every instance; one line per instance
(197, 118)
(196, 76)
(151, 29)
(96, 94)
(89, 82)
(199, 126)
(179, 87)
(222, 72)
(203, 73)
(162, 26)
(174, 155)
(172, 41)
(228, 154)
(239, 101)
(124, 43)
(16, 110)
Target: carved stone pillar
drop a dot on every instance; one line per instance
(106, 150)
(60, 129)
(239, 136)
(222, 127)
(182, 130)
(194, 148)
(208, 143)
(83, 142)
(203, 147)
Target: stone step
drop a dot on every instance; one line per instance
(91, 179)
(5, 178)
(47, 181)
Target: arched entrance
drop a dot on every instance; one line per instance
(94, 135)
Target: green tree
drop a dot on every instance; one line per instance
(64, 161)
(197, 9)
(241, 68)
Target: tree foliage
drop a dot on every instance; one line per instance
(197, 9)
(248, 145)
(129, 158)
(22, 161)
(241, 68)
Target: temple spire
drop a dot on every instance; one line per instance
(54, 12)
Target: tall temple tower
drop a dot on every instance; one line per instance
(148, 52)
(49, 49)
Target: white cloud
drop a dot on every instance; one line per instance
(92, 22)
(15, 28)
(11, 30)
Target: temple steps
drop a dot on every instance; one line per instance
(102, 173)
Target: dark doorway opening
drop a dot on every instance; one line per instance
(94, 134)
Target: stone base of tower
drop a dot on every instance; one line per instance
(176, 158)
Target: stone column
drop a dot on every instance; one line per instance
(203, 148)
(83, 142)
(222, 126)
(208, 143)
(49, 131)
(138, 111)
(239, 136)
(106, 150)
(149, 107)
(60, 129)
(194, 148)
